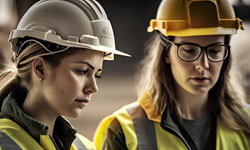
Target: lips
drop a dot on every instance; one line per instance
(200, 80)
(82, 100)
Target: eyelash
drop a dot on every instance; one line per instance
(84, 72)
(98, 76)
(81, 72)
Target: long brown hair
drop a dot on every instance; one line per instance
(20, 72)
(155, 76)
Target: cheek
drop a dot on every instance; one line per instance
(179, 68)
(66, 85)
(217, 69)
(180, 73)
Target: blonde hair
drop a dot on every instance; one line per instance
(155, 76)
(20, 72)
(12, 74)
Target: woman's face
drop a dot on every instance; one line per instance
(199, 76)
(69, 87)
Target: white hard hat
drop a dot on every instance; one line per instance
(60, 24)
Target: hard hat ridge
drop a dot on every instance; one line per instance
(203, 14)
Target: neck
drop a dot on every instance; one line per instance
(38, 109)
(194, 107)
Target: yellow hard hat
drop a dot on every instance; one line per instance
(195, 18)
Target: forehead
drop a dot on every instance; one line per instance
(201, 40)
(95, 58)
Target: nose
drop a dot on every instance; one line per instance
(91, 86)
(203, 61)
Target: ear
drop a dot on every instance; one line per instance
(167, 60)
(38, 66)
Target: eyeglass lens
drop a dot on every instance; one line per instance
(188, 52)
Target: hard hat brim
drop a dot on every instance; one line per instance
(182, 27)
(51, 37)
(197, 31)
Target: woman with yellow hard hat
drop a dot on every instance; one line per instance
(187, 98)
(59, 47)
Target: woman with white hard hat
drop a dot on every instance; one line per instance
(59, 47)
(187, 100)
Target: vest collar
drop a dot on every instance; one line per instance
(147, 103)
(11, 108)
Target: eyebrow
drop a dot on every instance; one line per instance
(90, 66)
(216, 43)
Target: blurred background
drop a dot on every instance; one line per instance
(130, 20)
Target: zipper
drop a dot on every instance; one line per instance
(57, 148)
(167, 127)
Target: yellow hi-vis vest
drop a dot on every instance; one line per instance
(14, 137)
(141, 126)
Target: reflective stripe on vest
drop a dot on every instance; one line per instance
(12, 136)
(146, 136)
(248, 115)
(144, 128)
(7, 143)
(78, 143)
(18, 135)
(248, 139)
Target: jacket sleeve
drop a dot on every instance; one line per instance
(114, 138)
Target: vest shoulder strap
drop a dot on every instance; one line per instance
(7, 143)
(247, 112)
(144, 128)
(12, 132)
(248, 139)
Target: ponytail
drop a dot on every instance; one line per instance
(9, 79)
(14, 73)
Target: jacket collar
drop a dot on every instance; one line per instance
(11, 108)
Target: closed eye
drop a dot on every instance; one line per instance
(98, 76)
(215, 51)
(81, 72)
(188, 50)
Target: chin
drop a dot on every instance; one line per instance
(74, 114)
(199, 91)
